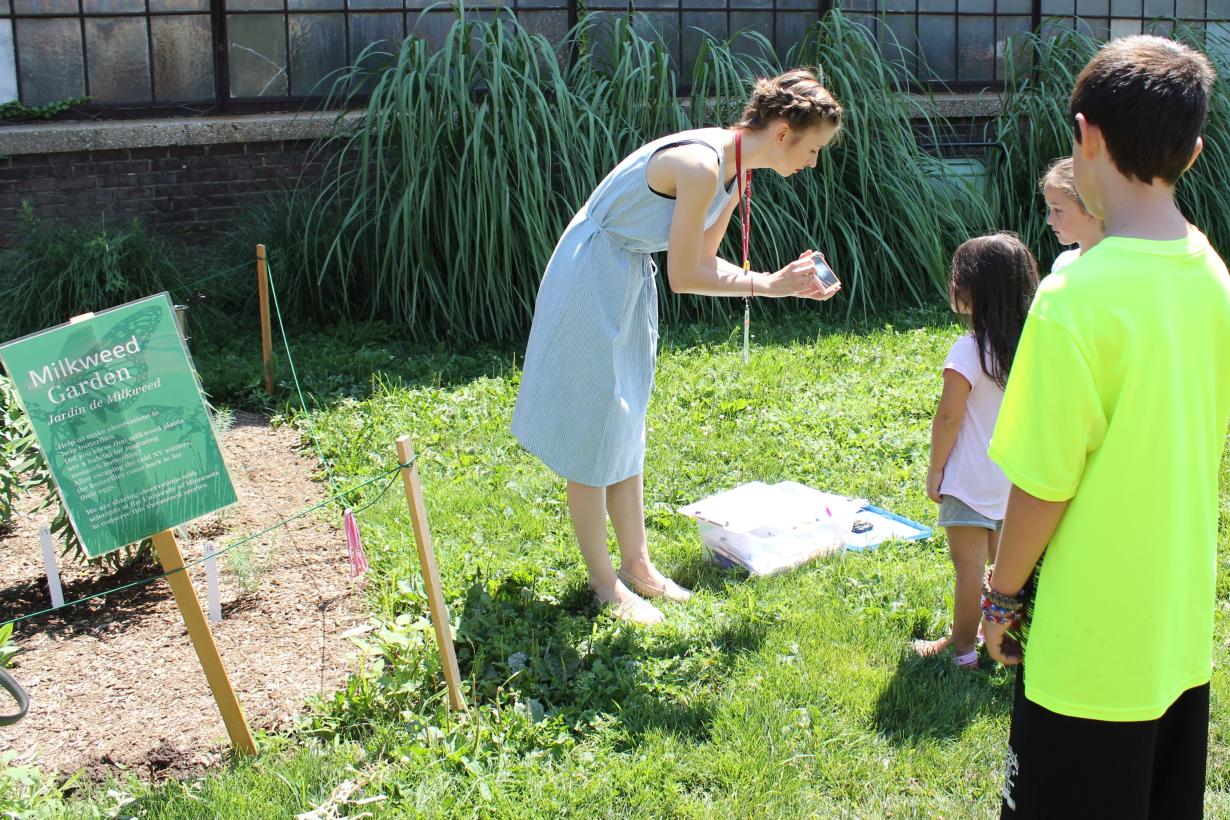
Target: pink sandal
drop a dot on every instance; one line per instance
(967, 661)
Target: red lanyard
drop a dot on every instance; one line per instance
(745, 208)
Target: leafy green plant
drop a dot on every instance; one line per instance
(248, 567)
(8, 647)
(23, 469)
(880, 206)
(57, 271)
(444, 221)
(1034, 129)
(16, 110)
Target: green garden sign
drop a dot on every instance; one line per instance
(117, 410)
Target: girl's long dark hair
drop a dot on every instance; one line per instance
(994, 278)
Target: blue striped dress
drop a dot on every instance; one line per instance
(590, 360)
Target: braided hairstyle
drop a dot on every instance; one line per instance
(1060, 176)
(796, 97)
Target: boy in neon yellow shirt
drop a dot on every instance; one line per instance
(1111, 431)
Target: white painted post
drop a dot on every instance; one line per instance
(53, 571)
(211, 582)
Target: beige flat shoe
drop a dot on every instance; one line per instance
(670, 590)
(633, 610)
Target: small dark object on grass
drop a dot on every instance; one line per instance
(861, 526)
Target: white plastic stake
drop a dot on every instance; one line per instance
(53, 571)
(211, 582)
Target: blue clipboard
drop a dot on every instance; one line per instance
(903, 529)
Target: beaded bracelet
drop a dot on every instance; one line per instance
(999, 615)
(1009, 603)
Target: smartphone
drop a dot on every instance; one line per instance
(824, 274)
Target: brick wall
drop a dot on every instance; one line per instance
(190, 191)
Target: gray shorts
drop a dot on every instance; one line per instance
(956, 513)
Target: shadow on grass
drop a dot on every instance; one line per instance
(576, 662)
(931, 699)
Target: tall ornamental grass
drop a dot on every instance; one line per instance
(443, 206)
(1034, 129)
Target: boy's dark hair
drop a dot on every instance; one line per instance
(994, 278)
(1150, 98)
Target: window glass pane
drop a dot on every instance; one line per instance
(394, 4)
(551, 24)
(1009, 31)
(317, 48)
(792, 28)
(975, 6)
(855, 5)
(433, 26)
(751, 21)
(383, 30)
(899, 40)
(937, 5)
(1058, 7)
(257, 54)
(6, 8)
(8, 63)
(899, 5)
(1094, 27)
(975, 49)
(1159, 8)
(1126, 8)
(1219, 9)
(711, 22)
(51, 64)
(1053, 26)
(45, 7)
(665, 29)
(111, 6)
(1219, 44)
(1095, 8)
(1124, 28)
(1014, 7)
(254, 5)
(316, 5)
(117, 49)
(179, 5)
(937, 40)
(183, 65)
(734, 4)
(1189, 9)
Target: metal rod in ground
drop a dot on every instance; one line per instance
(262, 290)
(172, 561)
(431, 572)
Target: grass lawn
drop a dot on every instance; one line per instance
(791, 696)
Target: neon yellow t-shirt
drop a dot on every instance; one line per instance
(1119, 399)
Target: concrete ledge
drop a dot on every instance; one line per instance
(953, 106)
(115, 135)
(118, 135)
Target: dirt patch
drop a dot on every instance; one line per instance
(115, 684)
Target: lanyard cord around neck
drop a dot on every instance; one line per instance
(745, 216)
(745, 210)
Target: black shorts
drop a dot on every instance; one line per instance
(1059, 766)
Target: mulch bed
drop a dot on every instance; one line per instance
(114, 683)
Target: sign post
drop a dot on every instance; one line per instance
(117, 410)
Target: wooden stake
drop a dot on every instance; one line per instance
(431, 573)
(203, 641)
(262, 290)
